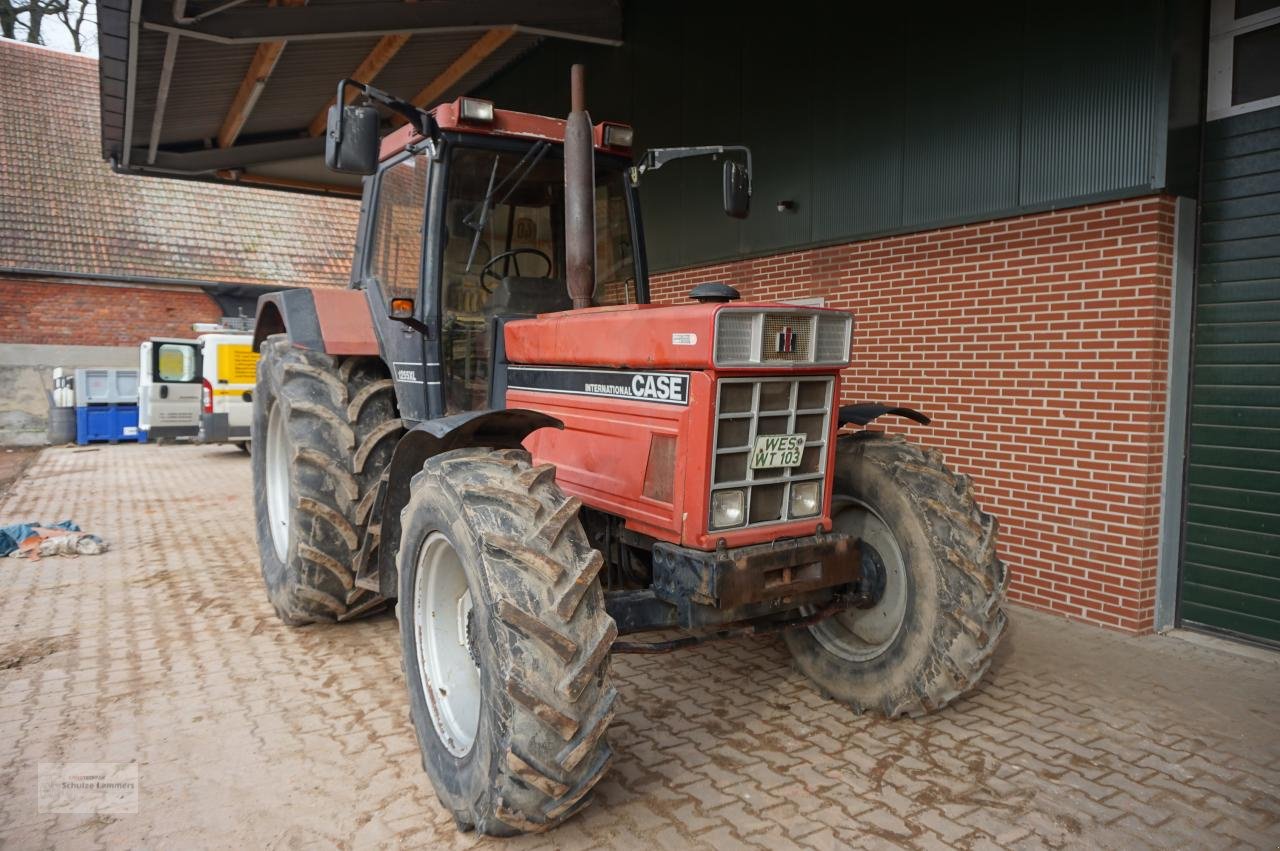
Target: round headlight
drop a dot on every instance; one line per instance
(806, 498)
(726, 509)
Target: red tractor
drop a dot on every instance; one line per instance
(495, 429)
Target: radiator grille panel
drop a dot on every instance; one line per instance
(733, 337)
(780, 337)
(748, 407)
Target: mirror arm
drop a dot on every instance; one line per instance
(412, 322)
(656, 158)
(422, 121)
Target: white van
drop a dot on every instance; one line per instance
(169, 388)
(229, 370)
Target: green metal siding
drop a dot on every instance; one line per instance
(1231, 557)
(872, 118)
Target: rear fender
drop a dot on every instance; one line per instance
(336, 322)
(505, 429)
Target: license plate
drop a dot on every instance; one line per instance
(777, 450)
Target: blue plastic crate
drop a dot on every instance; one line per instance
(112, 423)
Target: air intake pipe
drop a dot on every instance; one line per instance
(579, 196)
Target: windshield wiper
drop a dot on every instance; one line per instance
(479, 217)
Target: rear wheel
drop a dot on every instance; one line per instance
(931, 634)
(505, 641)
(325, 428)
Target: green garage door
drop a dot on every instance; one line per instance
(1231, 556)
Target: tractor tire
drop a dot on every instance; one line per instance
(505, 641)
(323, 432)
(931, 635)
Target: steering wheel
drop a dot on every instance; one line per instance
(514, 252)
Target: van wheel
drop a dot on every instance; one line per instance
(243, 446)
(505, 641)
(324, 429)
(930, 635)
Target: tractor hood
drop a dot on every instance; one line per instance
(689, 336)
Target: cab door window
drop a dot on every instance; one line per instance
(395, 254)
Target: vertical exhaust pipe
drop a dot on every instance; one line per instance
(579, 196)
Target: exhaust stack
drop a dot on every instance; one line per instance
(579, 196)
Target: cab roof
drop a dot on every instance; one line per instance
(506, 124)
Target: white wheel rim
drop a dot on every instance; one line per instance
(860, 635)
(442, 608)
(277, 469)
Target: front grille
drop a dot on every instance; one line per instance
(782, 337)
(750, 407)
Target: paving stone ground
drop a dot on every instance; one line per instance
(247, 733)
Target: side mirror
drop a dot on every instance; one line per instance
(351, 143)
(737, 190)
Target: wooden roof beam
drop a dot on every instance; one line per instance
(251, 86)
(480, 50)
(383, 52)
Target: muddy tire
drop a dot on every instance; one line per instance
(931, 636)
(323, 431)
(505, 640)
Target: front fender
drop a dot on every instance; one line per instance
(336, 322)
(500, 429)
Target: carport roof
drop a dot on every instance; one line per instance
(236, 90)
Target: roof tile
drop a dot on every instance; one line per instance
(63, 209)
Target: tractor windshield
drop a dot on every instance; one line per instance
(504, 252)
(505, 231)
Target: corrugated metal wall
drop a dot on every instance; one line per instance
(870, 118)
(1231, 555)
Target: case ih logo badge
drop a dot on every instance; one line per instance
(786, 341)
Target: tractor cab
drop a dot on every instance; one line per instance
(466, 228)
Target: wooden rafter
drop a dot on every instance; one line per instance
(251, 86)
(383, 52)
(480, 50)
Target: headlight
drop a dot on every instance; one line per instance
(726, 509)
(806, 498)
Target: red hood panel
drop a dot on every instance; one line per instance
(630, 336)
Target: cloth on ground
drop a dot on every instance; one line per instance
(11, 537)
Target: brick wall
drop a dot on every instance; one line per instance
(86, 314)
(1039, 345)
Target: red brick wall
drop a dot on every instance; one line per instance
(1039, 345)
(85, 314)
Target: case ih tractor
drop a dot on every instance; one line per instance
(493, 429)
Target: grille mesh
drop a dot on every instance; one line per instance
(747, 408)
(833, 345)
(733, 337)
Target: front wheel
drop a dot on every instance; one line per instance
(505, 641)
(931, 633)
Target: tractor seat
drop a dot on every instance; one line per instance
(528, 296)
